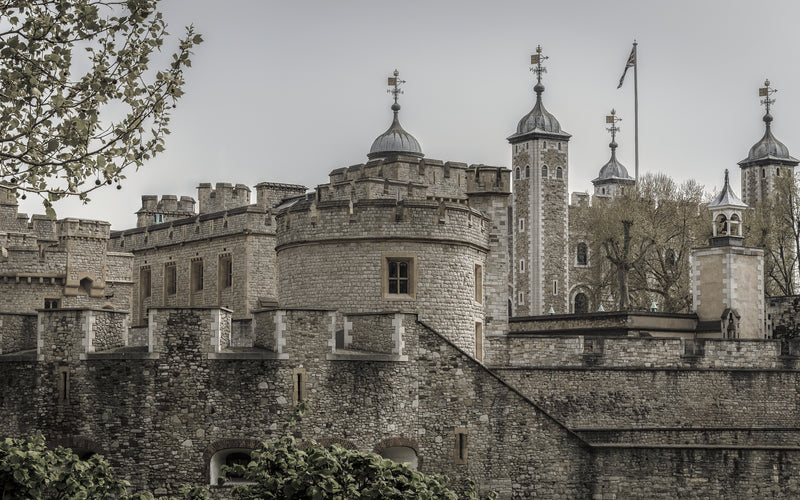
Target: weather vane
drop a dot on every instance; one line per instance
(765, 92)
(395, 82)
(537, 60)
(613, 119)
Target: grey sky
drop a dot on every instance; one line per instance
(287, 91)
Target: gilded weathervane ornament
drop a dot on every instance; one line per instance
(537, 59)
(766, 91)
(395, 82)
(613, 119)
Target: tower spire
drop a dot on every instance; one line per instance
(536, 60)
(766, 91)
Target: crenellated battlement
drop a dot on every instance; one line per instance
(271, 194)
(166, 209)
(402, 177)
(250, 219)
(382, 218)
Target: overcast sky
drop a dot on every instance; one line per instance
(286, 91)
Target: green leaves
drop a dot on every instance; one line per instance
(117, 108)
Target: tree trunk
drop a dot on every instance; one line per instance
(624, 295)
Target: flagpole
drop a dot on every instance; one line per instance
(636, 106)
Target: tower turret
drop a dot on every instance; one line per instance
(540, 162)
(767, 160)
(613, 179)
(395, 141)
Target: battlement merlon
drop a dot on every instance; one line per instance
(168, 208)
(271, 194)
(83, 228)
(224, 196)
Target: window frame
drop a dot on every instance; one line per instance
(197, 277)
(170, 278)
(410, 259)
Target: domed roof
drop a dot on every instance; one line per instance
(613, 170)
(768, 148)
(539, 120)
(395, 141)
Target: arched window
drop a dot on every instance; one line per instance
(602, 190)
(544, 144)
(544, 171)
(527, 171)
(401, 455)
(778, 171)
(582, 255)
(86, 285)
(735, 226)
(559, 173)
(517, 173)
(763, 173)
(229, 457)
(581, 303)
(721, 225)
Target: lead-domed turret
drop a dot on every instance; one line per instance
(613, 176)
(395, 140)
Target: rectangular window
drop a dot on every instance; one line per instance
(479, 341)
(158, 218)
(460, 455)
(521, 298)
(299, 394)
(478, 283)
(522, 266)
(52, 303)
(225, 270)
(170, 278)
(197, 274)
(144, 282)
(521, 225)
(399, 276)
(555, 287)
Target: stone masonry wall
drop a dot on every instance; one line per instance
(17, 332)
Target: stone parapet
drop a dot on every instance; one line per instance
(383, 219)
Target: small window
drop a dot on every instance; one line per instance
(158, 218)
(517, 173)
(544, 171)
(559, 146)
(521, 298)
(52, 303)
(582, 257)
(555, 287)
(63, 384)
(478, 283)
(522, 266)
(479, 341)
(763, 173)
(778, 171)
(145, 282)
(197, 275)
(544, 144)
(461, 446)
(603, 191)
(522, 225)
(225, 271)
(299, 393)
(170, 278)
(559, 173)
(527, 171)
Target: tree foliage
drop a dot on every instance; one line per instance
(293, 469)
(775, 227)
(644, 238)
(30, 470)
(79, 100)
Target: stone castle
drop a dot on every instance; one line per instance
(434, 312)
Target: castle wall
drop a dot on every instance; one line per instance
(159, 416)
(246, 234)
(331, 258)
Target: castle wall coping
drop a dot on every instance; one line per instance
(121, 354)
(355, 239)
(604, 314)
(682, 428)
(247, 354)
(584, 368)
(245, 232)
(293, 309)
(376, 313)
(346, 355)
(280, 185)
(623, 339)
(29, 355)
(119, 254)
(185, 308)
(94, 309)
(190, 220)
(650, 446)
(18, 314)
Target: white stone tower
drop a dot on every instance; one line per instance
(728, 278)
(768, 159)
(613, 179)
(539, 219)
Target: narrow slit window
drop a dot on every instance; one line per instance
(197, 275)
(170, 278)
(63, 385)
(300, 393)
(461, 446)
